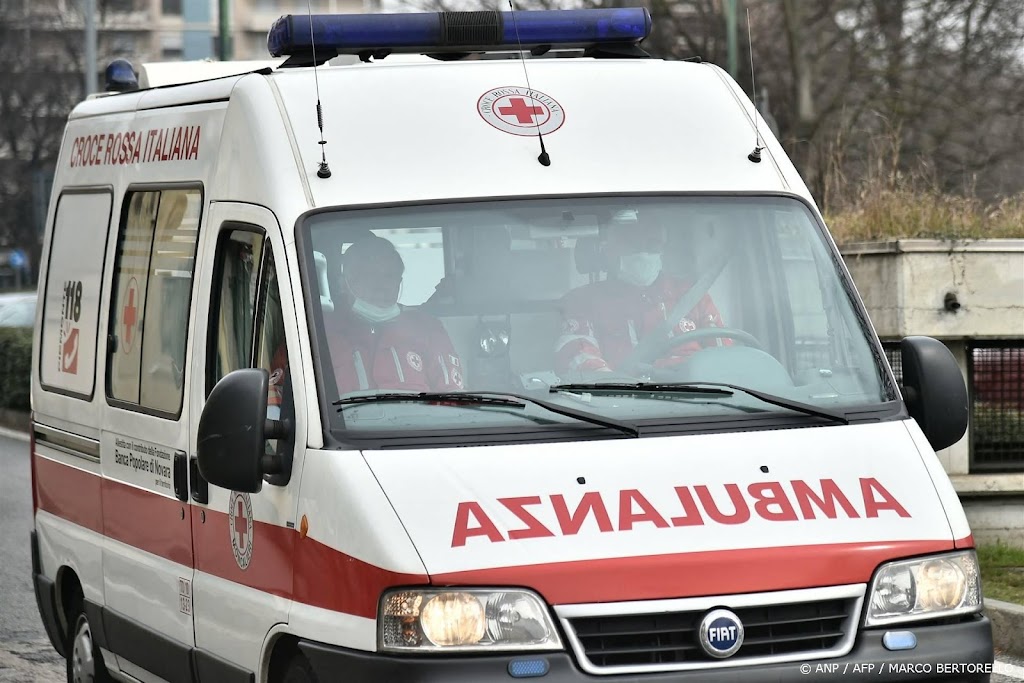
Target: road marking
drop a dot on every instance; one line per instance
(1006, 669)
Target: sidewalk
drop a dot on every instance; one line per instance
(1007, 626)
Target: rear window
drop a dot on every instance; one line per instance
(74, 276)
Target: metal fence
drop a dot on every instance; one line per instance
(995, 375)
(892, 354)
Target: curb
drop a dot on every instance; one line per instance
(1007, 626)
(15, 420)
(14, 434)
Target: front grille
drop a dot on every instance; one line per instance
(805, 628)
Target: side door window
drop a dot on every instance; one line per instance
(271, 347)
(234, 304)
(248, 326)
(152, 293)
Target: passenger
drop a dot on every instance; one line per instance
(374, 342)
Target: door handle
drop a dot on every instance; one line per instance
(200, 487)
(181, 476)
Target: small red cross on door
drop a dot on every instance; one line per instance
(241, 525)
(129, 315)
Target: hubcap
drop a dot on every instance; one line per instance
(83, 665)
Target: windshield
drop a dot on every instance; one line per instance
(522, 296)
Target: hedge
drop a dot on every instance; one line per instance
(15, 368)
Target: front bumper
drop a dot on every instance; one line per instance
(952, 652)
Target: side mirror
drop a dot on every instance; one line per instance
(232, 431)
(934, 390)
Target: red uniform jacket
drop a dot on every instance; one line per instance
(411, 352)
(604, 321)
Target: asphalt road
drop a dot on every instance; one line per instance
(25, 653)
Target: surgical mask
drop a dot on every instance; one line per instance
(640, 269)
(371, 312)
(375, 314)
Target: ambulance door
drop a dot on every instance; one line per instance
(144, 426)
(244, 542)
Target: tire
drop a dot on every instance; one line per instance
(85, 663)
(298, 670)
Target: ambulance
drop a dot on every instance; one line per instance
(475, 346)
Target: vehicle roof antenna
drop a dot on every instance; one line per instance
(325, 170)
(544, 159)
(754, 156)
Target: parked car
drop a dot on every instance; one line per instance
(18, 309)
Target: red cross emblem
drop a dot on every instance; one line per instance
(523, 112)
(241, 527)
(129, 315)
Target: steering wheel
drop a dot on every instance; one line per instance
(655, 350)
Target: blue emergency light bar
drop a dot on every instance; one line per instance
(455, 32)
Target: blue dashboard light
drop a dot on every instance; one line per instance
(439, 32)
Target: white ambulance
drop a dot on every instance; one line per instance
(505, 351)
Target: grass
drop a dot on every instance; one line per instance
(886, 213)
(1002, 572)
(890, 196)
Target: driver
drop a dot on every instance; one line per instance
(602, 322)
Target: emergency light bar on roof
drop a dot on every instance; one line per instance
(454, 33)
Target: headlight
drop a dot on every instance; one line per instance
(467, 620)
(925, 588)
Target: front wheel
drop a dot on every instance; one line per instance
(85, 663)
(298, 671)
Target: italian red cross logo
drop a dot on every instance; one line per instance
(240, 526)
(521, 111)
(130, 315)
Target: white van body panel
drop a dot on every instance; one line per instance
(428, 487)
(611, 140)
(951, 505)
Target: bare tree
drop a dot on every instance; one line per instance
(41, 48)
(940, 80)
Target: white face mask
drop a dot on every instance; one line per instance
(375, 314)
(640, 269)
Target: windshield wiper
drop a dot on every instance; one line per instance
(713, 388)
(509, 400)
(670, 387)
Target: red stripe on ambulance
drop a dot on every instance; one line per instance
(696, 574)
(323, 577)
(69, 493)
(310, 572)
(768, 500)
(147, 521)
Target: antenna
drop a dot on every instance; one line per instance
(544, 159)
(754, 156)
(325, 170)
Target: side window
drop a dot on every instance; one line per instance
(249, 329)
(271, 347)
(152, 291)
(234, 305)
(71, 303)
